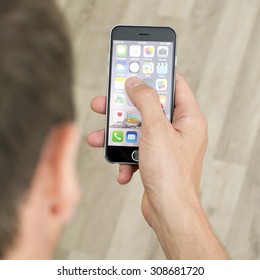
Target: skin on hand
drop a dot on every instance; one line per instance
(98, 105)
(170, 163)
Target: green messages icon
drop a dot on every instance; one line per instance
(121, 50)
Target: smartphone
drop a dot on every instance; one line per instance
(149, 53)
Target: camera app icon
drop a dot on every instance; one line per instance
(162, 51)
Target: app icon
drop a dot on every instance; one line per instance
(120, 67)
(162, 51)
(162, 68)
(131, 136)
(148, 81)
(163, 100)
(117, 136)
(121, 50)
(120, 83)
(119, 99)
(134, 67)
(135, 51)
(133, 118)
(118, 116)
(148, 51)
(161, 84)
(148, 68)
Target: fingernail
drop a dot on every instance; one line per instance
(133, 82)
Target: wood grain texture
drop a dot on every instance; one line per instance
(218, 52)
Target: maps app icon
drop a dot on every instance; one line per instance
(162, 51)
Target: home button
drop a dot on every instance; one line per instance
(135, 155)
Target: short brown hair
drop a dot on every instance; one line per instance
(35, 96)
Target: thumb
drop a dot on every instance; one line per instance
(145, 99)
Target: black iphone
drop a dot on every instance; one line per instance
(149, 53)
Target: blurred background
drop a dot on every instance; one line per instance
(218, 51)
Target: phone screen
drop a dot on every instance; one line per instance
(151, 61)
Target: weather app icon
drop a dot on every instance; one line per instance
(120, 67)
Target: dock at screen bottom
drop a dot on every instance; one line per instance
(124, 137)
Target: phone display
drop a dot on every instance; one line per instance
(146, 52)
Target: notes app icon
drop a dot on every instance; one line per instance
(120, 83)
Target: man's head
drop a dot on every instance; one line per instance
(38, 140)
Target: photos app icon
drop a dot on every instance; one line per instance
(148, 51)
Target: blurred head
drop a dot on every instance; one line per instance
(38, 138)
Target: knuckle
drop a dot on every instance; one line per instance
(146, 92)
(181, 78)
(202, 127)
(199, 126)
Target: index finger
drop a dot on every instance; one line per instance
(98, 104)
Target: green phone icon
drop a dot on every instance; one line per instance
(117, 136)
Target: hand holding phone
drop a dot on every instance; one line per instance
(171, 157)
(148, 53)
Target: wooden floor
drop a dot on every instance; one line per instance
(219, 53)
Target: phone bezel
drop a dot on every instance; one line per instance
(123, 154)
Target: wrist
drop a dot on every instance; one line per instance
(170, 218)
(184, 231)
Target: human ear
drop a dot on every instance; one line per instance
(58, 161)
